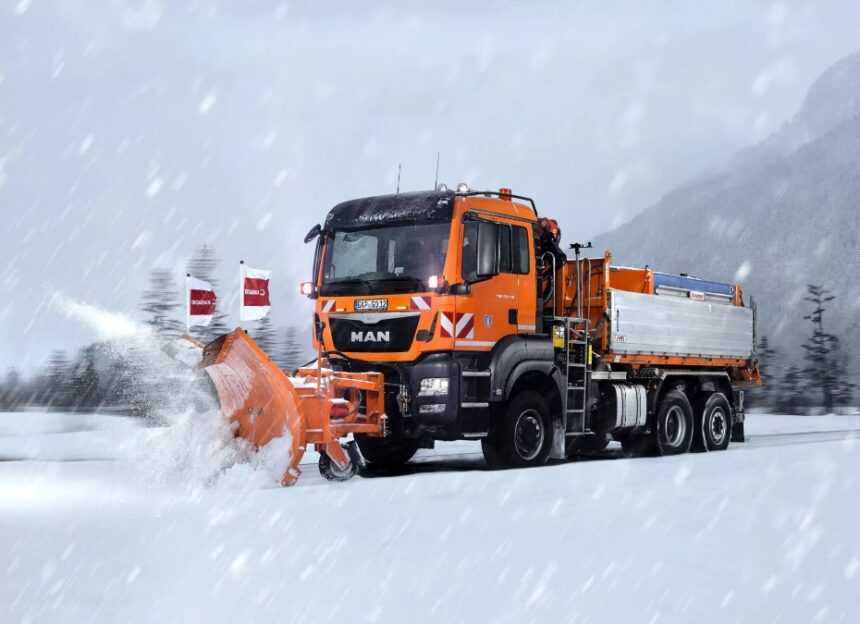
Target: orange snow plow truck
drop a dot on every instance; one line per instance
(446, 315)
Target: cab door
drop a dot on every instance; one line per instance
(490, 311)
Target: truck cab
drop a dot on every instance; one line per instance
(426, 287)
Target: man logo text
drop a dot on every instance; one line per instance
(370, 336)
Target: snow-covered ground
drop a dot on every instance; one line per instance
(766, 532)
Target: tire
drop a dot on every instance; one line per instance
(386, 453)
(521, 435)
(674, 424)
(330, 471)
(713, 422)
(491, 454)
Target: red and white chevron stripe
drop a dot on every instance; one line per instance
(457, 325)
(420, 303)
(328, 305)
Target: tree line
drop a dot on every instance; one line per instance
(817, 374)
(113, 376)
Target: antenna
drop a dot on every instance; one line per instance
(436, 181)
(398, 178)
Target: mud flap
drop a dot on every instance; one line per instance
(738, 432)
(559, 446)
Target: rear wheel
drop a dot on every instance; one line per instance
(713, 422)
(386, 452)
(522, 434)
(674, 424)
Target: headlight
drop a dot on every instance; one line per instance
(433, 386)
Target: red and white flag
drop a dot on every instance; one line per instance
(199, 301)
(254, 301)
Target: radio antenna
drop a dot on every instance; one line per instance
(398, 178)
(436, 181)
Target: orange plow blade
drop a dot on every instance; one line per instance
(318, 407)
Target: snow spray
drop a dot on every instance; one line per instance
(189, 442)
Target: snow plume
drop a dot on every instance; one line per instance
(107, 325)
(190, 444)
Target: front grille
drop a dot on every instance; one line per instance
(388, 335)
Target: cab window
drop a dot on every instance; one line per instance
(505, 249)
(520, 250)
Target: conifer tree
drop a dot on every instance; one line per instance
(822, 364)
(767, 356)
(161, 302)
(264, 335)
(291, 354)
(57, 386)
(791, 396)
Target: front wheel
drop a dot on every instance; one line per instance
(333, 472)
(522, 435)
(386, 453)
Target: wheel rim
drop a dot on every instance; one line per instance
(528, 434)
(718, 426)
(339, 472)
(675, 426)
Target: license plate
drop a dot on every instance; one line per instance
(371, 305)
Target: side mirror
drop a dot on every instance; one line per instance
(313, 233)
(488, 250)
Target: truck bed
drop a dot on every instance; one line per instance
(673, 326)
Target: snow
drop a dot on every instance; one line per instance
(764, 532)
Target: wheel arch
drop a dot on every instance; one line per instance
(541, 376)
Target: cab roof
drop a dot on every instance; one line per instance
(418, 207)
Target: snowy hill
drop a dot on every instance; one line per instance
(783, 215)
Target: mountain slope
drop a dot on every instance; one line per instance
(777, 220)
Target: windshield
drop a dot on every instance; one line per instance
(397, 258)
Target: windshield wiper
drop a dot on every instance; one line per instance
(373, 284)
(368, 284)
(401, 278)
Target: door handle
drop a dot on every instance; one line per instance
(512, 316)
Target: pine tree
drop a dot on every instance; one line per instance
(202, 265)
(767, 356)
(844, 391)
(10, 392)
(264, 335)
(822, 366)
(57, 386)
(161, 303)
(792, 394)
(85, 379)
(291, 354)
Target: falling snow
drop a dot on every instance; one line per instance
(206, 103)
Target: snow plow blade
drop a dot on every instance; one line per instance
(318, 406)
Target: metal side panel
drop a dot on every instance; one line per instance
(672, 326)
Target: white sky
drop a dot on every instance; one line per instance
(130, 132)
